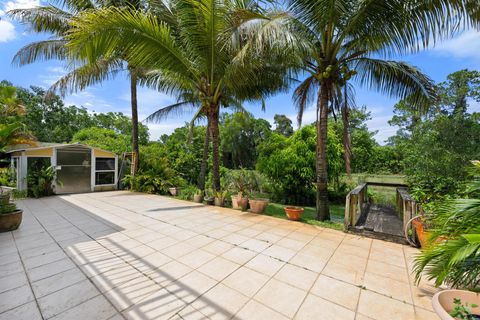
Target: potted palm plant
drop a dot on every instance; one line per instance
(198, 196)
(10, 216)
(220, 198)
(258, 205)
(241, 182)
(452, 254)
(174, 191)
(209, 198)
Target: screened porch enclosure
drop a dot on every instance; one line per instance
(74, 170)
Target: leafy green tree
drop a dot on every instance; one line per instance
(283, 125)
(202, 54)
(458, 89)
(241, 135)
(120, 123)
(107, 139)
(290, 163)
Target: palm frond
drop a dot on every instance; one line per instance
(40, 51)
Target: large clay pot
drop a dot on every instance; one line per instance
(422, 234)
(258, 205)
(242, 203)
(219, 202)
(235, 203)
(10, 221)
(293, 213)
(198, 198)
(174, 191)
(442, 302)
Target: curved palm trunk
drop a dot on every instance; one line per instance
(203, 168)
(323, 212)
(347, 154)
(215, 134)
(135, 149)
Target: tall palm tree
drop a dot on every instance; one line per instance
(347, 40)
(56, 21)
(205, 53)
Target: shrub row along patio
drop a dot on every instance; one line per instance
(116, 255)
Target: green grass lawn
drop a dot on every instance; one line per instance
(337, 214)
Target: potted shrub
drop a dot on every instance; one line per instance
(174, 191)
(293, 213)
(258, 205)
(457, 304)
(198, 196)
(220, 198)
(209, 198)
(10, 216)
(242, 201)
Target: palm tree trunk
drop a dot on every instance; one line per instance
(135, 149)
(347, 154)
(215, 134)
(323, 212)
(203, 167)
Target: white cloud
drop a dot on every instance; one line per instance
(89, 100)
(7, 31)
(464, 46)
(7, 28)
(156, 130)
(52, 75)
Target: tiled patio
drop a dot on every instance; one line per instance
(121, 255)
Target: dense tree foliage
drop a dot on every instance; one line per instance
(283, 125)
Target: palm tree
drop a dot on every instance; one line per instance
(345, 40)
(56, 20)
(205, 53)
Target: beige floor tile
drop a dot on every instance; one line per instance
(131, 292)
(162, 243)
(319, 252)
(279, 252)
(422, 296)
(336, 291)
(113, 278)
(421, 314)
(200, 241)
(380, 307)
(257, 311)
(266, 265)
(10, 268)
(317, 308)
(169, 273)
(389, 287)
(189, 313)
(239, 255)
(191, 286)
(387, 270)
(177, 250)
(13, 298)
(196, 258)
(255, 245)
(343, 273)
(57, 282)
(28, 311)
(246, 281)
(62, 300)
(97, 308)
(218, 268)
(221, 302)
(281, 297)
(269, 237)
(296, 276)
(235, 239)
(309, 262)
(291, 243)
(159, 305)
(218, 247)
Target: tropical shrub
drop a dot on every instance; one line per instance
(453, 256)
(39, 180)
(6, 177)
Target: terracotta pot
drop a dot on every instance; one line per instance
(293, 213)
(10, 221)
(209, 200)
(422, 234)
(442, 302)
(235, 202)
(258, 205)
(219, 202)
(174, 191)
(198, 198)
(242, 203)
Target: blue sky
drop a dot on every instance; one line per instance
(437, 62)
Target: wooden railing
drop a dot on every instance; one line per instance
(407, 207)
(356, 204)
